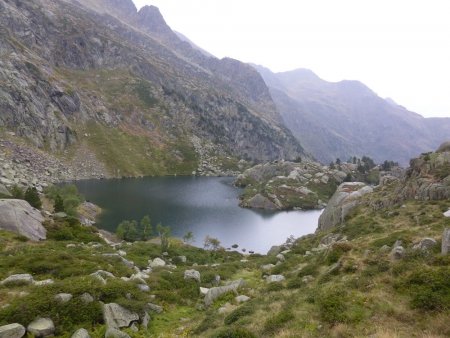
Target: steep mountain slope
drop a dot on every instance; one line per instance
(343, 119)
(120, 84)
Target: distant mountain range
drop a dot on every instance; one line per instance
(342, 119)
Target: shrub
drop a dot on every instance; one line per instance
(17, 192)
(32, 197)
(67, 230)
(240, 312)
(336, 252)
(67, 317)
(276, 322)
(274, 287)
(332, 306)
(238, 332)
(429, 289)
(295, 283)
(58, 206)
(336, 305)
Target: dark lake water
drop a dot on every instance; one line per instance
(203, 205)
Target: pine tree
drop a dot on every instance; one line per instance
(145, 228)
(32, 197)
(58, 206)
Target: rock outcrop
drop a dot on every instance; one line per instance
(428, 177)
(216, 292)
(344, 200)
(116, 316)
(283, 185)
(19, 217)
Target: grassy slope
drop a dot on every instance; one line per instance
(369, 295)
(127, 150)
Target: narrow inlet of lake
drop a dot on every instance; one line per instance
(207, 206)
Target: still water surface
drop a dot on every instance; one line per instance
(203, 205)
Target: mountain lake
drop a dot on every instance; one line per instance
(207, 206)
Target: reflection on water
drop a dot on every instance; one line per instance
(203, 205)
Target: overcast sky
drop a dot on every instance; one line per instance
(400, 49)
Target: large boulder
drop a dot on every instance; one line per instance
(19, 279)
(156, 263)
(21, 218)
(12, 331)
(116, 316)
(192, 274)
(216, 292)
(344, 200)
(41, 327)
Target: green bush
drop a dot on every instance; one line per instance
(173, 288)
(240, 312)
(17, 192)
(276, 322)
(32, 197)
(332, 306)
(71, 230)
(238, 332)
(69, 195)
(429, 289)
(274, 287)
(337, 305)
(40, 303)
(336, 252)
(295, 283)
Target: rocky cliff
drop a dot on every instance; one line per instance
(121, 85)
(427, 179)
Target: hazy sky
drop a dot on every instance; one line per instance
(400, 49)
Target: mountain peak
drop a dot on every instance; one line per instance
(151, 20)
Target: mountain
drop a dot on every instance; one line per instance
(101, 79)
(342, 119)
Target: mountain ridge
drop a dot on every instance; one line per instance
(351, 119)
(84, 74)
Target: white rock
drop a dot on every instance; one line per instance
(275, 278)
(12, 331)
(63, 297)
(81, 333)
(43, 282)
(41, 327)
(19, 279)
(242, 299)
(192, 274)
(157, 262)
